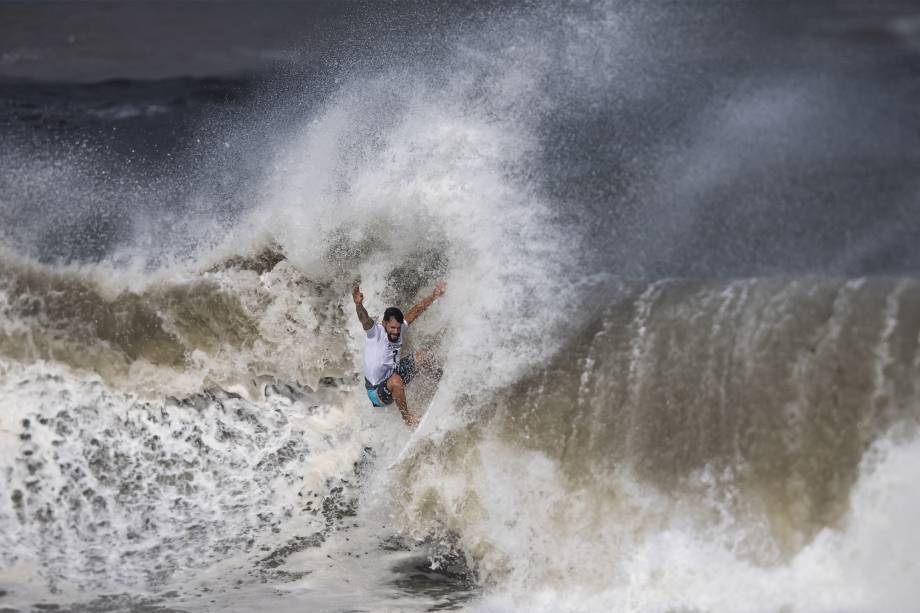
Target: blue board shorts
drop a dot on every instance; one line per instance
(378, 394)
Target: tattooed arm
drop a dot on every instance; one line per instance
(358, 297)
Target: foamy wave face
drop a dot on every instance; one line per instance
(866, 564)
(694, 426)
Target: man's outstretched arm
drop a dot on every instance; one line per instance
(358, 297)
(425, 302)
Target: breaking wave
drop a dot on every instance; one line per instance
(182, 413)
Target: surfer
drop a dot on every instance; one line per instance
(385, 374)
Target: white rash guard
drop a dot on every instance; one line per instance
(380, 354)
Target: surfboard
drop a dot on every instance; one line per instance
(414, 438)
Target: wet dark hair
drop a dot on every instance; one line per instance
(393, 313)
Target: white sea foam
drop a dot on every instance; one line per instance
(106, 491)
(649, 562)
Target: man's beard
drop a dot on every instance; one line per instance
(393, 337)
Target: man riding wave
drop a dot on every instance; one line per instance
(385, 374)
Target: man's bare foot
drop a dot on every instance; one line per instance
(411, 420)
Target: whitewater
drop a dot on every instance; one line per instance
(640, 401)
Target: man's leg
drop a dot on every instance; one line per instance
(398, 390)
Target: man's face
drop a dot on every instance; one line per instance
(393, 328)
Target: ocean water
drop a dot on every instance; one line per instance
(677, 367)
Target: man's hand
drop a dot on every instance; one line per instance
(366, 322)
(424, 303)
